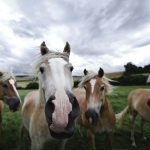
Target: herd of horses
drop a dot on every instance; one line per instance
(53, 110)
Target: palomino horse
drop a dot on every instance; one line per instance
(96, 113)
(51, 111)
(8, 92)
(138, 103)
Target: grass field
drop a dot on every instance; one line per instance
(10, 136)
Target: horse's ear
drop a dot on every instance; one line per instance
(85, 72)
(1, 74)
(43, 48)
(67, 48)
(100, 72)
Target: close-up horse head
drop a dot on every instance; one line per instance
(8, 91)
(55, 84)
(96, 89)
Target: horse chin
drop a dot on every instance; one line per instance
(61, 134)
(13, 109)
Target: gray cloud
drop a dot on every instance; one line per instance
(96, 30)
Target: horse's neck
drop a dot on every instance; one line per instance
(41, 99)
(105, 106)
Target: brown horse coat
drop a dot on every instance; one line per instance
(138, 103)
(93, 101)
(105, 123)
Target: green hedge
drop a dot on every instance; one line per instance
(35, 85)
(32, 85)
(131, 80)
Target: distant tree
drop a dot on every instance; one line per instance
(140, 70)
(147, 68)
(130, 68)
(32, 85)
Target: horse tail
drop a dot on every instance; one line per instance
(120, 116)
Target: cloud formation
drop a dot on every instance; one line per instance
(101, 33)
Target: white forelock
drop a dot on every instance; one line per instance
(6, 76)
(91, 75)
(50, 55)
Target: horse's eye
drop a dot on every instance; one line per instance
(5, 85)
(102, 88)
(71, 68)
(41, 69)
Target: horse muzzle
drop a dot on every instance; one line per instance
(12, 102)
(91, 116)
(68, 130)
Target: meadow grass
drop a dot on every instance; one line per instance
(10, 138)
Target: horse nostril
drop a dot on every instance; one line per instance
(17, 103)
(92, 116)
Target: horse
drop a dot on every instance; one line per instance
(138, 103)
(96, 113)
(8, 93)
(51, 111)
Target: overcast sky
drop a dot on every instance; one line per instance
(106, 33)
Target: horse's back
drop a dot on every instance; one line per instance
(28, 107)
(138, 101)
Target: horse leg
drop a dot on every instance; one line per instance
(142, 126)
(63, 144)
(36, 144)
(109, 141)
(133, 116)
(92, 140)
(25, 134)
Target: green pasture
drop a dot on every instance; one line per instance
(10, 138)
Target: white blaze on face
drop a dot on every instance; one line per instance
(92, 82)
(95, 105)
(12, 82)
(62, 109)
(61, 81)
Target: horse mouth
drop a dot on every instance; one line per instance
(61, 135)
(13, 103)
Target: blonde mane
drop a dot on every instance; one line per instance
(91, 75)
(6, 75)
(49, 55)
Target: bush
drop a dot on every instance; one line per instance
(76, 83)
(32, 85)
(131, 80)
(19, 88)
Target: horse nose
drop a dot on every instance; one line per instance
(49, 109)
(75, 107)
(15, 104)
(92, 116)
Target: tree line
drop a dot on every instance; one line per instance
(131, 68)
